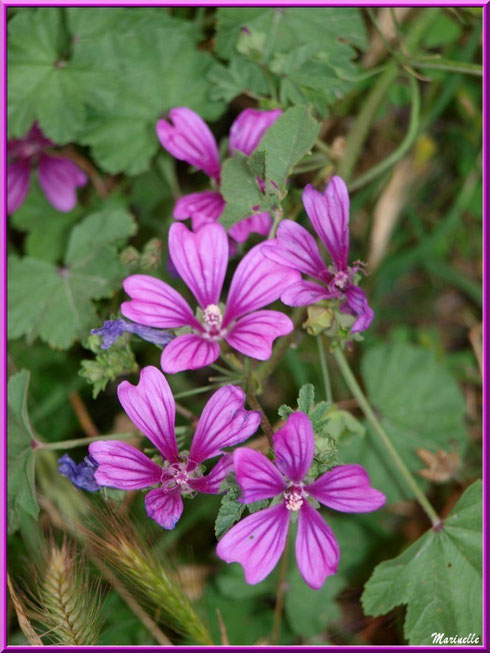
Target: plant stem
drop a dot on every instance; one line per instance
(281, 587)
(404, 146)
(196, 391)
(277, 217)
(324, 366)
(264, 422)
(365, 406)
(82, 442)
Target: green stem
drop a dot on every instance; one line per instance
(366, 116)
(404, 146)
(324, 366)
(277, 217)
(81, 442)
(438, 63)
(365, 406)
(197, 391)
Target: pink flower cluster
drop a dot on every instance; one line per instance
(271, 270)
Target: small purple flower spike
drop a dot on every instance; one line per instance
(58, 177)
(201, 259)
(80, 474)
(113, 329)
(190, 139)
(150, 405)
(258, 541)
(294, 247)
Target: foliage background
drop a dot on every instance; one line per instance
(97, 80)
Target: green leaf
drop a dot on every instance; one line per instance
(308, 52)
(286, 142)
(20, 460)
(108, 364)
(240, 190)
(48, 84)
(306, 398)
(47, 228)
(286, 28)
(240, 75)
(229, 513)
(148, 63)
(54, 303)
(419, 404)
(309, 611)
(438, 577)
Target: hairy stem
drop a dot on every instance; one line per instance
(324, 366)
(366, 408)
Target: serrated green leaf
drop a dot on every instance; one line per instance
(306, 398)
(125, 141)
(240, 190)
(54, 303)
(240, 75)
(47, 228)
(438, 577)
(419, 404)
(46, 82)
(286, 142)
(229, 513)
(20, 460)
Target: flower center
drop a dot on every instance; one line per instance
(293, 498)
(341, 280)
(178, 474)
(212, 316)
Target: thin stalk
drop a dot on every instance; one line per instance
(324, 367)
(365, 406)
(197, 391)
(281, 588)
(277, 217)
(82, 442)
(264, 422)
(404, 146)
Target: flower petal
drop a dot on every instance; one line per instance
(151, 407)
(201, 259)
(256, 542)
(224, 422)
(164, 507)
(156, 304)
(329, 215)
(254, 333)
(317, 551)
(18, 178)
(294, 446)
(247, 130)
(260, 223)
(122, 466)
(295, 248)
(188, 352)
(59, 178)
(257, 282)
(346, 488)
(190, 139)
(210, 483)
(200, 207)
(257, 476)
(304, 293)
(356, 303)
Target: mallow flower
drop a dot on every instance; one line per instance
(258, 541)
(58, 177)
(151, 407)
(201, 259)
(188, 138)
(296, 248)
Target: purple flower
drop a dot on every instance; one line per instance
(151, 407)
(58, 177)
(201, 260)
(258, 540)
(112, 329)
(81, 474)
(295, 248)
(190, 139)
